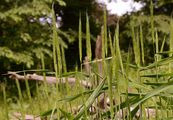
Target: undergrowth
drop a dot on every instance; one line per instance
(135, 90)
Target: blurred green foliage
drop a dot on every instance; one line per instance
(25, 34)
(26, 29)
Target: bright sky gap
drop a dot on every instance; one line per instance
(121, 7)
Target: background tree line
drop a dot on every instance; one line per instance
(26, 29)
(26, 37)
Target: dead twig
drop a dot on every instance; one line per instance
(17, 116)
(48, 79)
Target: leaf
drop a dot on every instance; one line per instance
(134, 111)
(123, 105)
(155, 92)
(157, 75)
(158, 63)
(66, 114)
(90, 100)
(88, 39)
(154, 84)
(71, 98)
(48, 112)
(165, 52)
(80, 39)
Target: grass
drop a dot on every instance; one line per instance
(130, 88)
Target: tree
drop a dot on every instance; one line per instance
(154, 18)
(25, 33)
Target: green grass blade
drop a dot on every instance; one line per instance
(110, 44)
(152, 21)
(158, 63)
(71, 98)
(103, 42)
(88, 39)
(44, 74)
(48, 112)
(127, 84)
(133, 112)
(105, 30)
(157, 75)
(28, 89)
(5, 102)
(80, 38)
(122, 105)
(154, 92)
(118, 51)
(171, 38)
(163, 44)
(111, 78)
(119, 61)
(55, 38)
(66, 114)
(64, 67)
(164, 53)
(90, 100)
(56, 43)
(157, 46)
(142, 45)
(20, 97)
(135, 41)
(138, 86)
(103, 52)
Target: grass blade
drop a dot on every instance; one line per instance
(88, 39)
(155, 92)
(158, 63)
(105, 31)
(142, 45)
(80, 38)
(90, 100)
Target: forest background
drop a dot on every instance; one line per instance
(26, 32)
(26, 35)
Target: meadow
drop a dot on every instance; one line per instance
(109, 86)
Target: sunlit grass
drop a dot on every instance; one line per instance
(131, 86)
